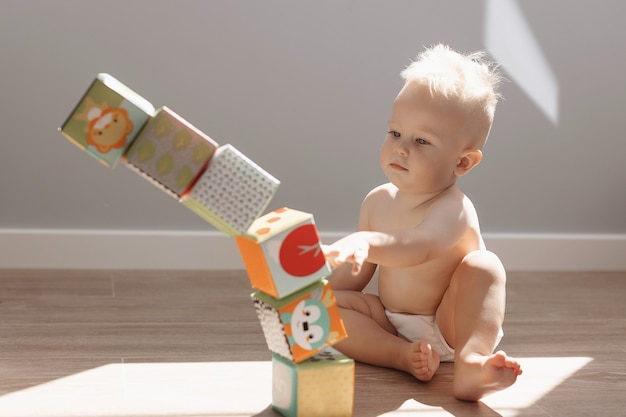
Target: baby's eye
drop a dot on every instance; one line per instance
(421, 141)
(395, 134)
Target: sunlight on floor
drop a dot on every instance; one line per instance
(149, 389)
(510, 40)
(541, 375)
(228, 388)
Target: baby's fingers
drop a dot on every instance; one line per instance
(331, 256)
(327, 250)
(358, 259)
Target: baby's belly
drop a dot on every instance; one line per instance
(412, 291)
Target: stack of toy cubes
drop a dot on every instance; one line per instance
(281, 249)
(299, 315)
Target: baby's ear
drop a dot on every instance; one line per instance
(468, 160)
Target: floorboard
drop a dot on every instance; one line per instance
(172, 343)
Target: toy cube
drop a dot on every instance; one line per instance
(323, 385)
(107, 119)
(299, 326)
(232, 192)
(282, 252)
(170, 152)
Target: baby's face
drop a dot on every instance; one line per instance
(425, 138)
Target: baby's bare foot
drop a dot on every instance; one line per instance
(423, 361)
(500, 370)
(485, 374)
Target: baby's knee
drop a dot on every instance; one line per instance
(351, 300)
(483, 262)
(367, 304)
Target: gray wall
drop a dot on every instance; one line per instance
(304, 89)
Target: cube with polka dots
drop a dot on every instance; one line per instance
(232, 192)
(282, 252)
(170, 152)
(318, 387)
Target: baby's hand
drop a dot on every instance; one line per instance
(351, 249)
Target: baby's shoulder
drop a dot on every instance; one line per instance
(383, 191)
(377, 199)
(457, 205)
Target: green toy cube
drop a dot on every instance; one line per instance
(107, 119)
(321, 386)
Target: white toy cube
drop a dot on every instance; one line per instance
(282, 252)
(232, 192)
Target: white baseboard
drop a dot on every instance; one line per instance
(99, 249)
(559, 252)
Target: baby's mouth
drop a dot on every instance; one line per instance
(397, 167)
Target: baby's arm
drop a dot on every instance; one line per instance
(445, 222)
(344, 276)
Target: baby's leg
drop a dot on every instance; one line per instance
(470, 317)
(372, 338)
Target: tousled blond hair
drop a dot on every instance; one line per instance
(470, 79)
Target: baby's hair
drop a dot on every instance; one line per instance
(469, 78)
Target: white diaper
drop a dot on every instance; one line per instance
(414, 327)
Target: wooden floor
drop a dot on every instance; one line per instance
(141, 343)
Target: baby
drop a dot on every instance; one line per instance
(441, 294)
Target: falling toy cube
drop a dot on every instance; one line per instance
(170, 152)
(282, 253)
(302, 324)
(232, 191)
(107, 119)
(321, 386)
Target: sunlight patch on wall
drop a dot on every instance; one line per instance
(511, 42)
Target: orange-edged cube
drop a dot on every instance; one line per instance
(302, 324)
(282, 252)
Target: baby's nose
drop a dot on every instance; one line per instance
(401, 150)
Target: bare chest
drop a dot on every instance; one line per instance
(389, 218)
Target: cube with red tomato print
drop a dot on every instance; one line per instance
(282, 252)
